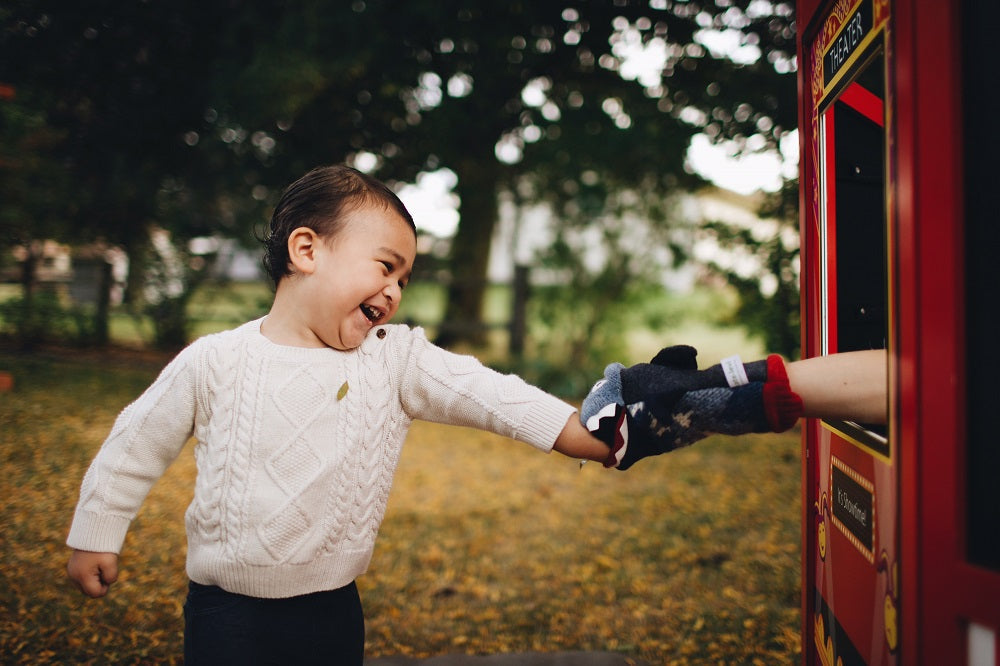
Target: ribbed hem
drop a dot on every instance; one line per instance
(97, 533)
(543, 424)
(281, 580)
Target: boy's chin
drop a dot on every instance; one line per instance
(354, 340)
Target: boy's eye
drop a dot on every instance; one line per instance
(390, 268)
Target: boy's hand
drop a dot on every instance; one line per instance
(93, 573)
(653, 408)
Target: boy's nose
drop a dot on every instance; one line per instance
(392, 292)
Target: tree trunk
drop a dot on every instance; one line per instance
(103, 311)
(470, 253)
(27, 327)
(28, 270)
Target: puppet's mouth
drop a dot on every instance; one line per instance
(374, 315)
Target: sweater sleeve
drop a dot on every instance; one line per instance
(147, 436)
(450, 388)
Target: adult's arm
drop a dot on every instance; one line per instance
(849, 386)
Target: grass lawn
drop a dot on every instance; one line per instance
(488, 546)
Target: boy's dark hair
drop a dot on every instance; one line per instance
(318, 201)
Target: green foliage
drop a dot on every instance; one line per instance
(577, 330)
(193, 115)
(587, 122)
(42, 318)
(168, 284)
(33, 187)
(773, 317)
(605, 263)
(35, 319)
(772, 314)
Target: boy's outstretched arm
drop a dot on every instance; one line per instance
(92, 572)
(577, 442)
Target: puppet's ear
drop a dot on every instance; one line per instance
(681, 357)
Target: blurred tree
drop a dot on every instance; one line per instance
(121, 86)
(504, 93)
(30, 183)
(611, 264)
(769, 297)
(210, 108)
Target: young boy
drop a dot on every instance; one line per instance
(299, 418)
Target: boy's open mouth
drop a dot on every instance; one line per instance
(373, 314)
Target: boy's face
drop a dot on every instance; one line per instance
(360, 274)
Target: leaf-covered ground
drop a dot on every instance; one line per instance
(488, 546)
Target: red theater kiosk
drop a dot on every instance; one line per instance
(900, 211)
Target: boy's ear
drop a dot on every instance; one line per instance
(302, 243)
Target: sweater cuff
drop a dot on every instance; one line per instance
(97, 533)
(544, 423)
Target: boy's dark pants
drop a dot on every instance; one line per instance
(225, 628)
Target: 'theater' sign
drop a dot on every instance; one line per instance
(850, 37)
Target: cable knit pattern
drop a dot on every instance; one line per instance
(367, 511)
(296, 450)
(207, 512)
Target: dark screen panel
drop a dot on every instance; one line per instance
(982, 148)
(861, 216)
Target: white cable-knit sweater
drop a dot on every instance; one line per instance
(296, 450)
